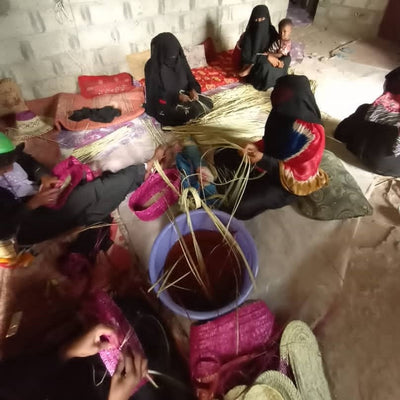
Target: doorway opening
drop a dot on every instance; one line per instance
(302, 12)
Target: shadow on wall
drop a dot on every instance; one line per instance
(4, 7)
(223, 43)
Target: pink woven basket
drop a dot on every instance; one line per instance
(219, 349)
(155, 185)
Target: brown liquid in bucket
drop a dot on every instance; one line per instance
(224, 271)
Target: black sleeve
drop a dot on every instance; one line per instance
(34, 169)
(246, 56)
(28, 377)
(171, 98)
(270, 165)
(12, 212)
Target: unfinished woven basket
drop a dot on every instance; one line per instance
(281, 383)
(299, 349)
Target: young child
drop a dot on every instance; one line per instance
(282, 46)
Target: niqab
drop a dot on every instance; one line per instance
(261, 33)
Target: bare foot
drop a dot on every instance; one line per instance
(245, 71)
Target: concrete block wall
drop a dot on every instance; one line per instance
(46, 44)
(360, 18)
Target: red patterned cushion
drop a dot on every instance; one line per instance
(91, 86)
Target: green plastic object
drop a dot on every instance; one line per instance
(5, 144)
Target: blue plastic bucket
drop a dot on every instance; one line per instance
(201, 221)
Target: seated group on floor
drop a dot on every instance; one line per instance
(37, 204)
(36, 207)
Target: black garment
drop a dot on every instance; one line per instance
(167, 73)
(291, 99)
(88, 203)
(257, 39)
(9, 158)
(263, 193)
(105, 114)
(371, 142)
(45, 376)
(184, 112)
(392, 83)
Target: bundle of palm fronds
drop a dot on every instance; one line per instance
(87, 153)
(238, 117)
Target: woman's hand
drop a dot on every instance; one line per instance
(275, 62)
(100, 337)
(252, 153)
(49, 182)
(130, 371)
(183, 98)
(165, 155)
(205, 176)
(193, 95)
(46, 197)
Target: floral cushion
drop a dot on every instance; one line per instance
(341, 198)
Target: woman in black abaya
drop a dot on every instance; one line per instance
(258, 67)
(172, 92)
(372, 133)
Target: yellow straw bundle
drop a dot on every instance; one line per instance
(90, 151)
(238, 117)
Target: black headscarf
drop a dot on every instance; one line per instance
(291, 99)
(262, 34)
(169, 64)
(166, 50)
(392, 84)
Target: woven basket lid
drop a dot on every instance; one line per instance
(281, 383)
(262, 392)
(29, 124)
(236, 393)
(299, 349)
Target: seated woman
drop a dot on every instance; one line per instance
(75, 370)
(289, 154)
(260, 68)
(27, 189)
(372, 132)
(172, 93)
